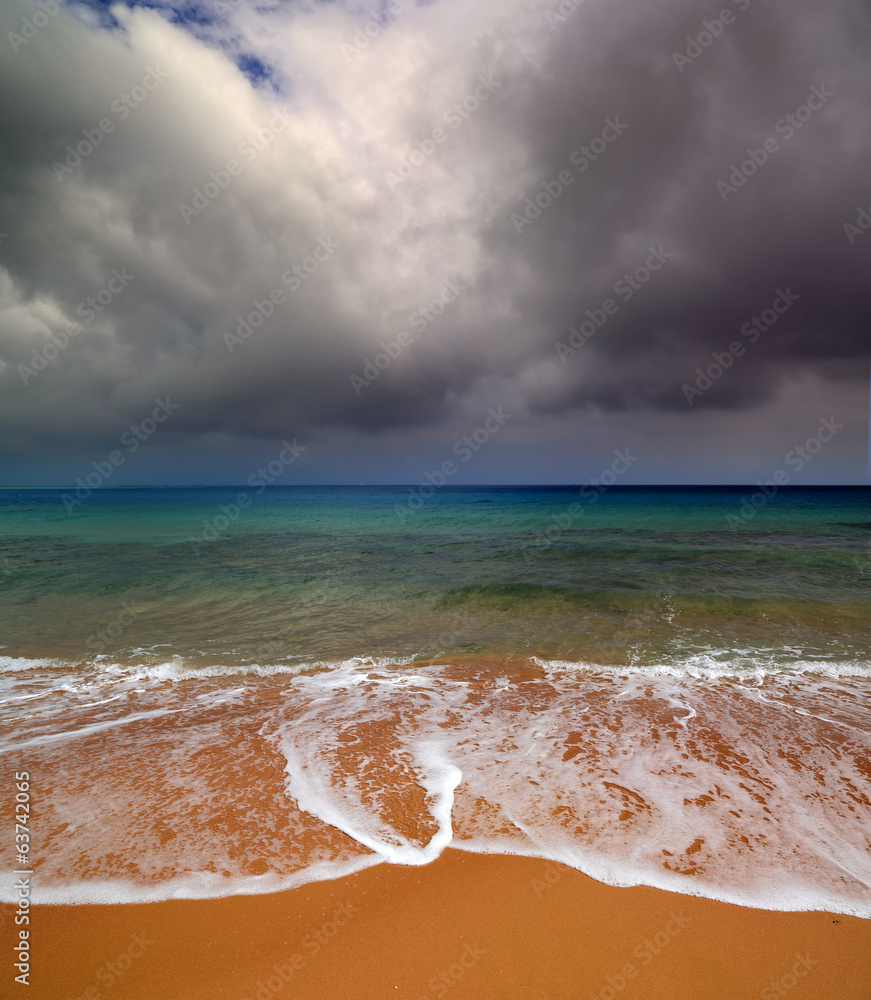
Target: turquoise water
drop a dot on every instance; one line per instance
(665, 687)
(296, 574)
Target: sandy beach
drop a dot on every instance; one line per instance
(465, 926)
(435, 500)
(292, 774)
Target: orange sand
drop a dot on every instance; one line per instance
(466, 926)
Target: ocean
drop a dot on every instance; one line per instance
(235, 690)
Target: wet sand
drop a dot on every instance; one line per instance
(465, 926)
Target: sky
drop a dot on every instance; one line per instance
(534, 240)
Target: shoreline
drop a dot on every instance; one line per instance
(466, 925)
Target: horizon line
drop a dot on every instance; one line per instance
(455, 486)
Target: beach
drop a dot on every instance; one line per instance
(338, 753)
(435, 500)
(464, 926)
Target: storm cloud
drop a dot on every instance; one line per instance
(362, 227)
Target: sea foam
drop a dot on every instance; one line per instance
(748, 784)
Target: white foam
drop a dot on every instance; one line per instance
(15, 663)
(732, 783)
(202, 885)
(636, 772)
(682, 705)
(96, 727)
(25, 697)
(625, 874)
(732, 664)
(340, 804)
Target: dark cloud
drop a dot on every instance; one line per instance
(409, 149)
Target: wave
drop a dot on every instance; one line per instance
(740, 775)
(731, 662)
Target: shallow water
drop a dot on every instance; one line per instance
(628, 686)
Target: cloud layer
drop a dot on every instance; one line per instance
(363, 228)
